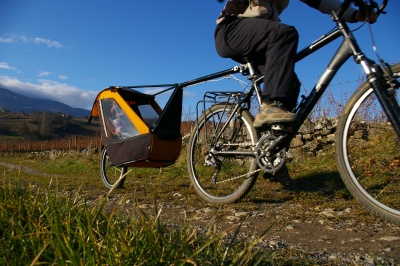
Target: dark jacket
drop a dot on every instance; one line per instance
(237, 7)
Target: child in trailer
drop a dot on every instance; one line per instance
(118, 123)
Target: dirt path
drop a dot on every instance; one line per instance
(338, 238)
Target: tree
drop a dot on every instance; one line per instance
(45, 130)
(24, 130)
(4, 128)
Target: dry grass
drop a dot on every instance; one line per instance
(317, 181)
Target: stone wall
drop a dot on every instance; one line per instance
(318, 137)
(314, 138)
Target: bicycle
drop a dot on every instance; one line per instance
(225, 153)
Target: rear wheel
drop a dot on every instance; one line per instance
(222, 178)
(111, 174)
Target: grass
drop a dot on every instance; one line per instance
(63, 217)
(42, 227)
(377, 165)
(316, 180)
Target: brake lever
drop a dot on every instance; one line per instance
(367, 8)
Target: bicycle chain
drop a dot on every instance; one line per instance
(245, 144)
(237, 177)
(270, 168)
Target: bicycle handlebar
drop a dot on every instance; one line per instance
(382, 7)
(371, 6)
(363, 6)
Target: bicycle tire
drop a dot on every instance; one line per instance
(237, 174)
(368, 154)
(111, 174)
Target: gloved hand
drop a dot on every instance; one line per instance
(361, 16)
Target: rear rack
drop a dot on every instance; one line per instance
(218, 97)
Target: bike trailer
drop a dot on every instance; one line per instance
(135, 130)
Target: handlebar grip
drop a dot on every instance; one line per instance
(372, 6)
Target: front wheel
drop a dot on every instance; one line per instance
(368, 153)
(222, 178)
(111, 174)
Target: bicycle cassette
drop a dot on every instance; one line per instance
(267, 161)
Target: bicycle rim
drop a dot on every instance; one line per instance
(219, 179)
(368, 154)
(111, 174)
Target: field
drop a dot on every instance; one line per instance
(55, 209)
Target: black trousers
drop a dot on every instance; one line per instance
(269, 44)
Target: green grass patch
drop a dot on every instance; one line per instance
(317, 181)
(43, 227)
(62, 216)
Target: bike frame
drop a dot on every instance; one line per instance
(348, 48)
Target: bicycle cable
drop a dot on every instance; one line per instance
(374, 47)
(359, 27)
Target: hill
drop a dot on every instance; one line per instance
(44, 126)
(16, 103)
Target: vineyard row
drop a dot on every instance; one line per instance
(73, 143)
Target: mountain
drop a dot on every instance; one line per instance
(15, 103)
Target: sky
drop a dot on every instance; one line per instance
(69, 50)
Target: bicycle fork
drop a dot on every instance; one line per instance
(385, 92)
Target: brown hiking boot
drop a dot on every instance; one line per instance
(273, 113)
(282, 176)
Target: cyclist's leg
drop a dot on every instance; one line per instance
(268, 43)
(273, 45)
(280, 80)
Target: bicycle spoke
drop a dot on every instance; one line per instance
(368, 153)
(216, 177)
